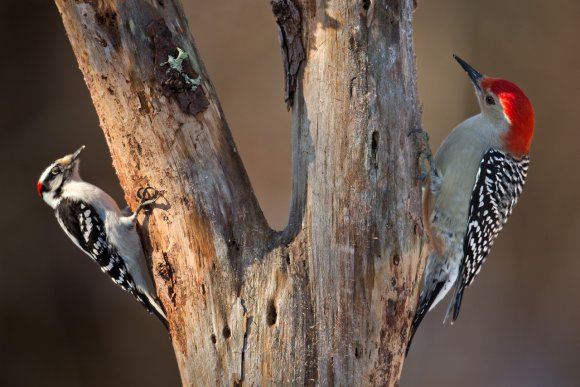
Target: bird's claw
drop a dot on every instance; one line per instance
(147, 196)
(423, 177)
(417, 131)
(425, 154)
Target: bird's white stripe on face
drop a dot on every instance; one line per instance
(44, 177)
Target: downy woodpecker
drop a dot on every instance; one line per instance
(476, 178)
(93, 221)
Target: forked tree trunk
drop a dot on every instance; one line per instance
(327, 301)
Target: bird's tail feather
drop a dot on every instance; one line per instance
(455, 304)
(426, 299)
(153, 306)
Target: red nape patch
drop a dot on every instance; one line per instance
(519, 111)
(39, 188)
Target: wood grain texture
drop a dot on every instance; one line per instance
(327, 301)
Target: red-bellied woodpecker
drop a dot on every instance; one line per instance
(476, 177)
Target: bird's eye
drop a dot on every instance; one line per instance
(489, 100)
(55, 170)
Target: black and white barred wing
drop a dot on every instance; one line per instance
(82, 223)
(498, 185)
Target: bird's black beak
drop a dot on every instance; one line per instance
(77, 153)
(475, 75)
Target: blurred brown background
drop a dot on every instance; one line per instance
(62, 323)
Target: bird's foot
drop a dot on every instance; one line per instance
(425, 155)
(147, 196)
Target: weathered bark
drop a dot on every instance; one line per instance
(329, 299)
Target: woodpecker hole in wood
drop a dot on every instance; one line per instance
(271, 313)
(374, 149)
(226, 332)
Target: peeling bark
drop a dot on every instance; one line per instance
(290, 35)
(329, 299)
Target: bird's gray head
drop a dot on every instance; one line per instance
(56, 175)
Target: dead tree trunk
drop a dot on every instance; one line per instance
(328, 300)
